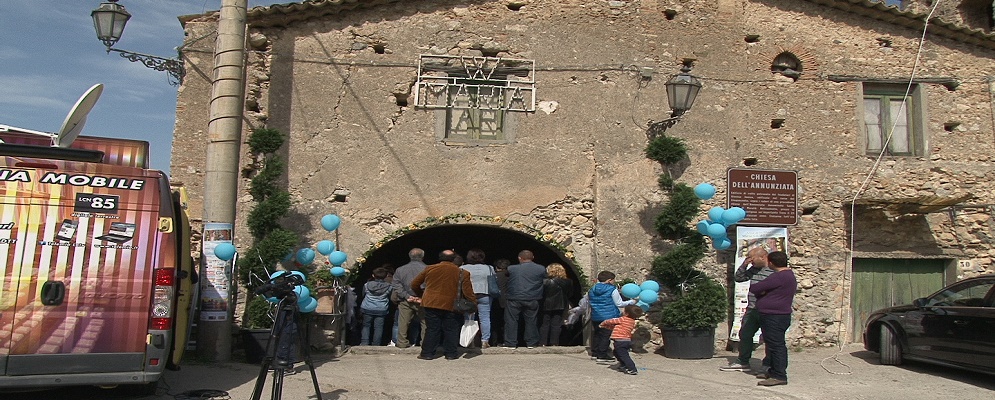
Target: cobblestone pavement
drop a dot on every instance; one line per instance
(564, 373)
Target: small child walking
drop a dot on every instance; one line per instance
(622, 328)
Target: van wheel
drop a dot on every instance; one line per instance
(890, 349)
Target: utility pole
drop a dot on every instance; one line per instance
(224, 139)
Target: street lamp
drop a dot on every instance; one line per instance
(109, 20)
(682, 90)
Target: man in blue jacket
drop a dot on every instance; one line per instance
(604, 301)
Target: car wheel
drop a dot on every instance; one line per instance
(890, 350)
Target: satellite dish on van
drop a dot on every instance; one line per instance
(74, 122)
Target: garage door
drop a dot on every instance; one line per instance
(886, 282)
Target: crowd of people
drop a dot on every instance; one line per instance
(528, 303)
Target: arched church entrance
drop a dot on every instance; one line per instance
(496, 242)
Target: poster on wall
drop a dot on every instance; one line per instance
(216, 273)
(747, 238)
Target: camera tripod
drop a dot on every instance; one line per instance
(280, 349)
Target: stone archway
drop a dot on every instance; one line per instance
(496, 241)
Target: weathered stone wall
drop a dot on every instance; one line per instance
(578, 172)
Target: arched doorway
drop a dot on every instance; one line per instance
(497, 242)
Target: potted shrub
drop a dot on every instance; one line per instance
(688, 322)
(271, 242)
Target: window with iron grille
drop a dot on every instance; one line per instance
(476, 98)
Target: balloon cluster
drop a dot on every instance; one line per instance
(647, 293)
(718, 218)
(326, 248)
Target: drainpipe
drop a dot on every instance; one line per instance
(224, 138)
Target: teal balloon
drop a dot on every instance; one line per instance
(303, 300)
(338, 271)
(715, 214)
(703, 227)
(649, 285)
(302, 291)
(273, 300)
(731, 216)
(337, 257)
(704, 191)
(325, 247)
(277, 274)
(300, 274)
(224, 251)
(740, 213)
(648, 296)
(643, 305)
(717, 230)
(630, 290)
(305, 256)
(330, 222)
(721, 244)
(311, 305)
(286, 258)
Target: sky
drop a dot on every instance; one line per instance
(50, 56)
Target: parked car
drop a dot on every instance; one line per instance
(954, 327)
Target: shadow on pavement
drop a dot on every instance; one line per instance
(964, 376)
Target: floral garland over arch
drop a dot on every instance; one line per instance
(545, 239)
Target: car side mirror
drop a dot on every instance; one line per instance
(920, 302)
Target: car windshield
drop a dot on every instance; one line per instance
(970, 294)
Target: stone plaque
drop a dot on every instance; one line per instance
(770, 197)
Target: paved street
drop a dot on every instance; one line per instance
(388, 373)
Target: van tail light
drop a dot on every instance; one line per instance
(162, 299)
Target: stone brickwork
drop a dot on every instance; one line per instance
(337, 77)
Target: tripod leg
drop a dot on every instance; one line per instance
(303, 343)
(277, 383)
(271, 345)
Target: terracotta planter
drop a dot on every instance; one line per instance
(326, 300)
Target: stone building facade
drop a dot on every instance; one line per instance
(787, 85)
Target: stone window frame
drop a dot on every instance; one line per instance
(915, 111)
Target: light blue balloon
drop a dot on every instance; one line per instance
(715, 214)
(643, 305)
(337, 257)
(330, 222)
(325, 247)
(302, 291)
(277, 274)
(704, 191)
(305, 256)
(650, 285)
(273, 300)
(338, 271)
(311, 305)
(300, 274)
(740, 213)
(731, 216)
(648, 296)
(224, 251)
(303, 300)
(717, 230)
(290, 255)
(630, 290)
(703, 227)
(721, 244)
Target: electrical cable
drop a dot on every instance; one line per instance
(853, 204)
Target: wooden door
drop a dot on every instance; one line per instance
(886, 282)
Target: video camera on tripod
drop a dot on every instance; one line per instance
(281, 284)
